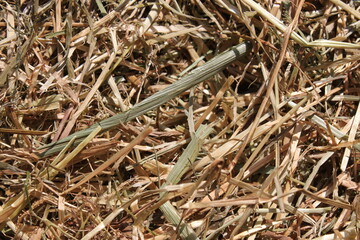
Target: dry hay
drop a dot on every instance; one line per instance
(139, 120)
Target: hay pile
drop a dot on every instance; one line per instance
(167, 119)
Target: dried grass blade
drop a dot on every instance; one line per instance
(22, 131)
(188, 156)
(348, 234)
(152, 16)
(312, 175)
(239, 220)
(196, 76)
(287, 206)
(16, 60)
(171, 214)
(352, 134)
(181, 167)
(225, 202)
(165, 37)
(109, 17)
(268, 135)
(167, 6)
(12, 207)
(49, 174)
(90, 95)
(113, 159)
(215, 101)
(232, 145)
(327, 200)
(277, 23)
(256, 229)
(347, 8)
(103, 224)
(321, 123)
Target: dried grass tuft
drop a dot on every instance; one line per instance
(219, 119)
